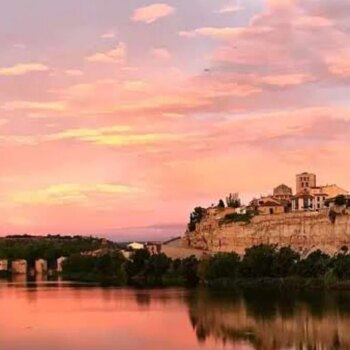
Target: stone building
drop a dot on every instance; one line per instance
(41, 267)
(267, 205)
(60, 262)
(4, 265)
(305, 181)
(19, 267)
(303, 201)
(270, 208)
(283, 192)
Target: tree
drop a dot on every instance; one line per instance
(190, 270)
(157, 266)
(195, 218)
(340, 200)
(342, 266)
(285, 262)
(221, 204)
(223, 265)
(257, 261)
(137, 264)
(314, 266)
(233, 201)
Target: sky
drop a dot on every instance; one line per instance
(121, 116)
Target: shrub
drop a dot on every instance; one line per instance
(195, 218)
(258, 260)
(235, 217)
(314, 266)
(223, 265)
(285, 262)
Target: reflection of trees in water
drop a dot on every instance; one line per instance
(271, 321)
(143, 299)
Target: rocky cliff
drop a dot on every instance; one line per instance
(303, 231)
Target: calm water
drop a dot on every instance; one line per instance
(53, 316)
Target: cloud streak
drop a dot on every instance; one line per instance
(117, 55)
(152, 13)
(23, 69)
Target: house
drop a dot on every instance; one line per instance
(267, 205)
(41, 267)
(19, 267)
(283, 192)
(271, 207)
(303, 201)
(136, 246)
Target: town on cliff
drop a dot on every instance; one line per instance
(315, 216)
(308, 197)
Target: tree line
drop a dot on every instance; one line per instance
(50, 248)
(259, 263)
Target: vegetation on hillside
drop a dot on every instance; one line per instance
(233, 200)
(105, 269)
(195, 218)
(236, 217)
(262, 264)
(50, 248)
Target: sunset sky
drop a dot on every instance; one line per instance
(121, 114)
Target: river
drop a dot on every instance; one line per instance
(60, 315)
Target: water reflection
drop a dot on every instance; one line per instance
(271, 321)
(59, 315)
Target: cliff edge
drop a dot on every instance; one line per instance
(303, 231)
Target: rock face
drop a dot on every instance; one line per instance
(303, 231)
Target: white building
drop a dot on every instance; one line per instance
(313, 200)
(136, 246)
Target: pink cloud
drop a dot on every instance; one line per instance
(152, 13)
(161, 54)
(23, 68)
(117, 55)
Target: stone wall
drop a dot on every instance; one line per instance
(303, 231)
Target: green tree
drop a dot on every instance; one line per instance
(137, 264)
(285, 262)
(157, 267)
(340, 200)
(315, 265)
(258, 260)
(341, 266)
(223, 265)
(190, 270)
(221, 204)
(195, 218)
(233, 200)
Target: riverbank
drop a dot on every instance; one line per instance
(283, 284)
